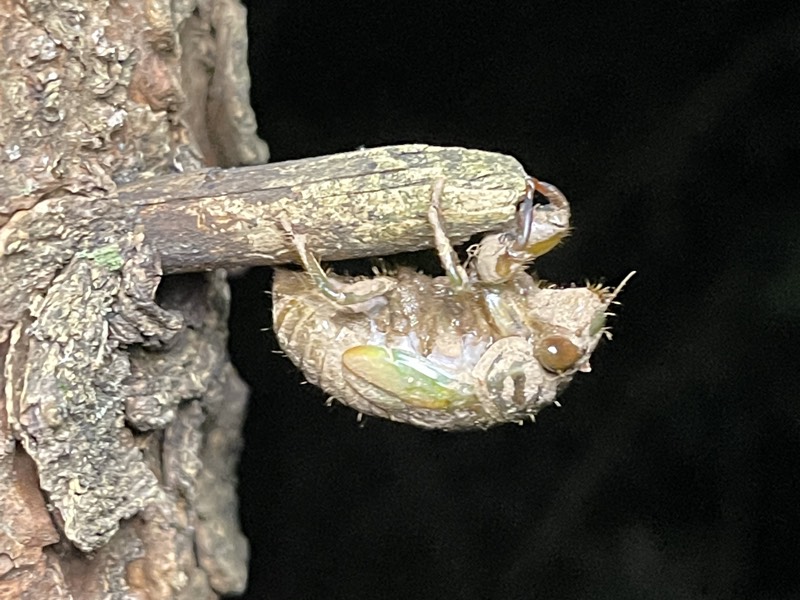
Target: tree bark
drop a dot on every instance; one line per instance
(120, 413)
(120, 422)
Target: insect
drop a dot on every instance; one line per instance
(486, 343)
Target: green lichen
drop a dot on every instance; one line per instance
(108, 256)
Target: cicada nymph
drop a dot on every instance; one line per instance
(485, 344)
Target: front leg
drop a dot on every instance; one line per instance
(537, 229)
(357, 296)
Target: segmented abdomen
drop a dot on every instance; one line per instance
(314, 335)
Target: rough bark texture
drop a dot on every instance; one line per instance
(120, 418)
(120, 414)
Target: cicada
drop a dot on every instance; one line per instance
(486, 343)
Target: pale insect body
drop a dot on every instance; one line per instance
(483, 345)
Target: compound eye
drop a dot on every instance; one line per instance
(557, 354)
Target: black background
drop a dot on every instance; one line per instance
(672, 469)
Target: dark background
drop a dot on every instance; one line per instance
(672, 469)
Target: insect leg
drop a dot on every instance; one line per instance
(356, 295)
(536, 230)
(538, 234)
(455, 272)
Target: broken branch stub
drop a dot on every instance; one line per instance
(369, 202)
(364, 203)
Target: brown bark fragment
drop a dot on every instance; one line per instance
(26, 526)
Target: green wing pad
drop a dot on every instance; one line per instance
(406, 376)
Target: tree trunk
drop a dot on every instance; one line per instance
(121, 422)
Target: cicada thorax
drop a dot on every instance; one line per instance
(437, 318)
